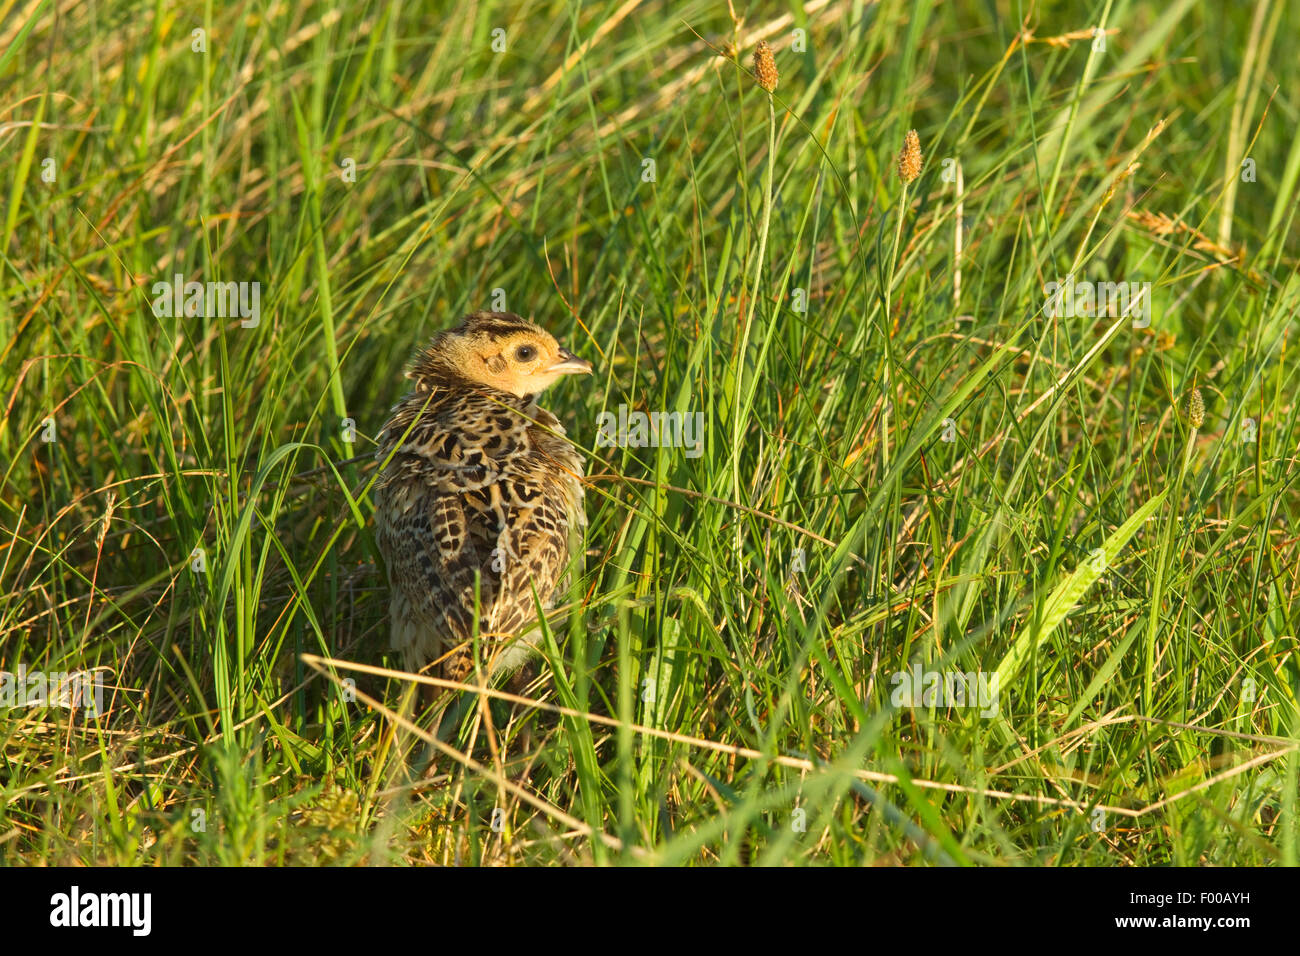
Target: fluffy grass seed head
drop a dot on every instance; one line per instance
(909, 159)
(765, 67)
(1196, 408)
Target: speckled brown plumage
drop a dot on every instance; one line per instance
(479, 483)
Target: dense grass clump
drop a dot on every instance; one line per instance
(927, 447)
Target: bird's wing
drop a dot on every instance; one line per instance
(545, 524)
(433, 547)
(490, 512)
(504, 538)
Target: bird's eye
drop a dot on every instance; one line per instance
(525, 353)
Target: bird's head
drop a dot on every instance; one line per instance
(502, 351)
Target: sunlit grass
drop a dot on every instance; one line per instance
(908, 460)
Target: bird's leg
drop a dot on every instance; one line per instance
(428, 697)
(444, 704)
(518, 684)
(521, 678)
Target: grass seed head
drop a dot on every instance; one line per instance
(765, 67)
(909, 159)
(1196, 408)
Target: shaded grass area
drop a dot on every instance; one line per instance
(911, 462)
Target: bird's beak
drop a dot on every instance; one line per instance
(570, 364)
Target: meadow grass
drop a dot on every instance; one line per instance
(911, 461)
